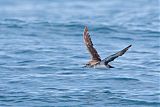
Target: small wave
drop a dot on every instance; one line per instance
(66, 73)
(74, 25)
(138, 102)
(142, 52)
(148, 33)
(26, 52)
(121, 38)
(107, 91)
(7, 100)
(124, 79)
(31, 34)
(71, 73)
(78, 57)
(39, 75)
(104, 29)
(26, 61)
(59, 24)
(45, 23)
(14, 26)
(14, 20)
(13, 23)
(44, 68)
(5, 57)
(57, 89)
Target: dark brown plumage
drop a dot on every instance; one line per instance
(95, 57)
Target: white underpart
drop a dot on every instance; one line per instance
(100, 66)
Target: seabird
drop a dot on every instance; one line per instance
(95, 58)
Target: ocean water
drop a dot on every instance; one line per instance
(42, 53)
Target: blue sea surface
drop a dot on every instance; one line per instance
(42, 53)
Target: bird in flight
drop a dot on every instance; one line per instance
(95, 58)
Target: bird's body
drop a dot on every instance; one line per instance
(99, 65)
(95, 57)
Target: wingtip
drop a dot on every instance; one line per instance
(85, 28)
(129, 46)
(85, 31)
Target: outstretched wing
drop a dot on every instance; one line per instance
(89, 45)
(114, 56)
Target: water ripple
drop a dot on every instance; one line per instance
(42, 53)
